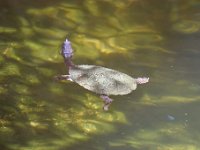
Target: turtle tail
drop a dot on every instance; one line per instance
(67, 52)
(142, 80)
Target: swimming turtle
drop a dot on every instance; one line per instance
(98, 79)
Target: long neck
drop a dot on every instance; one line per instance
(68, 63)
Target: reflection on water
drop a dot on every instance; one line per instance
(138, 37)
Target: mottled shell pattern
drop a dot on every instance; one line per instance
(102, 80)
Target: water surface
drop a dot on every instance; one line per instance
(159, 39)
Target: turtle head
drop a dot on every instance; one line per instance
(67, 51)
(142, 80)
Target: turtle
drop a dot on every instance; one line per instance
(98, 79)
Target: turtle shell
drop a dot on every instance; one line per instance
(102, 80)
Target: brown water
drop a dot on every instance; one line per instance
(159, 39)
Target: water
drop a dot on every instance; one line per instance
(159, 39)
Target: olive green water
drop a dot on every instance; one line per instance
(159, 39)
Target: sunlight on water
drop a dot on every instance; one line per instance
(10, 69)
(147, 99)
(139, 37)
(32, 79)
(151, 137)
(7, 30)
(187, 26)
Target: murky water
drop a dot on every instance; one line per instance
(159, 39)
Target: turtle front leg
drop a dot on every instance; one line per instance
(107, 101)
(63, 77)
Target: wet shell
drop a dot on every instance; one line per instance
(102, 80)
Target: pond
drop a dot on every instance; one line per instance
(157, 39)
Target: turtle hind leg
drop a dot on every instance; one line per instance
(63, 77)
(107, 101)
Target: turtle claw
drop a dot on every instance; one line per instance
(62, 77)
(106, 107)
(57, 78)
(107, 101)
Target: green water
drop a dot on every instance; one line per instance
(153, 38)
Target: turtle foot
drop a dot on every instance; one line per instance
(107, 101)
(62, 77)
